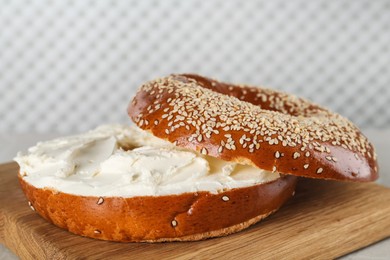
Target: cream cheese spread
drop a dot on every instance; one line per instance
(116, 160)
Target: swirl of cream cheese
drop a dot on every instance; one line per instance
(116, 160)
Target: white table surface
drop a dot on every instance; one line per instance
(11, 143)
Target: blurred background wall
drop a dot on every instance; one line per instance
(68, 66)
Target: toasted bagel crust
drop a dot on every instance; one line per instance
(268, 129)
(184, 217)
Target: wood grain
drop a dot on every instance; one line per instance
(325, 219)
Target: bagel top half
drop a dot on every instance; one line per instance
(261, 127)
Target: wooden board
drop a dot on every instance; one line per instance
(324, 220)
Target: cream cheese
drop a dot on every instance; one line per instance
(115, 160)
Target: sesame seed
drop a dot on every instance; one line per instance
(305, 166)
(329, 158)
(100, 201)
(174, 223)
(97, 231)
(225, 198)
(296, 155)
(277, 154)
(319, 170)
(307, 154)
(203, 151)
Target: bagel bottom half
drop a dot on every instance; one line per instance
(183, 217)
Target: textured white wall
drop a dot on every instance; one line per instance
(68, 66)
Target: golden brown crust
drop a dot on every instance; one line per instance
(215, 233)
(184, 217)
(266, 128)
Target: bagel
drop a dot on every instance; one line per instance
(120, 183)
(206, 159)
(185, 217)
(265, 128)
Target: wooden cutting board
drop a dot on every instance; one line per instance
(324, 220)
